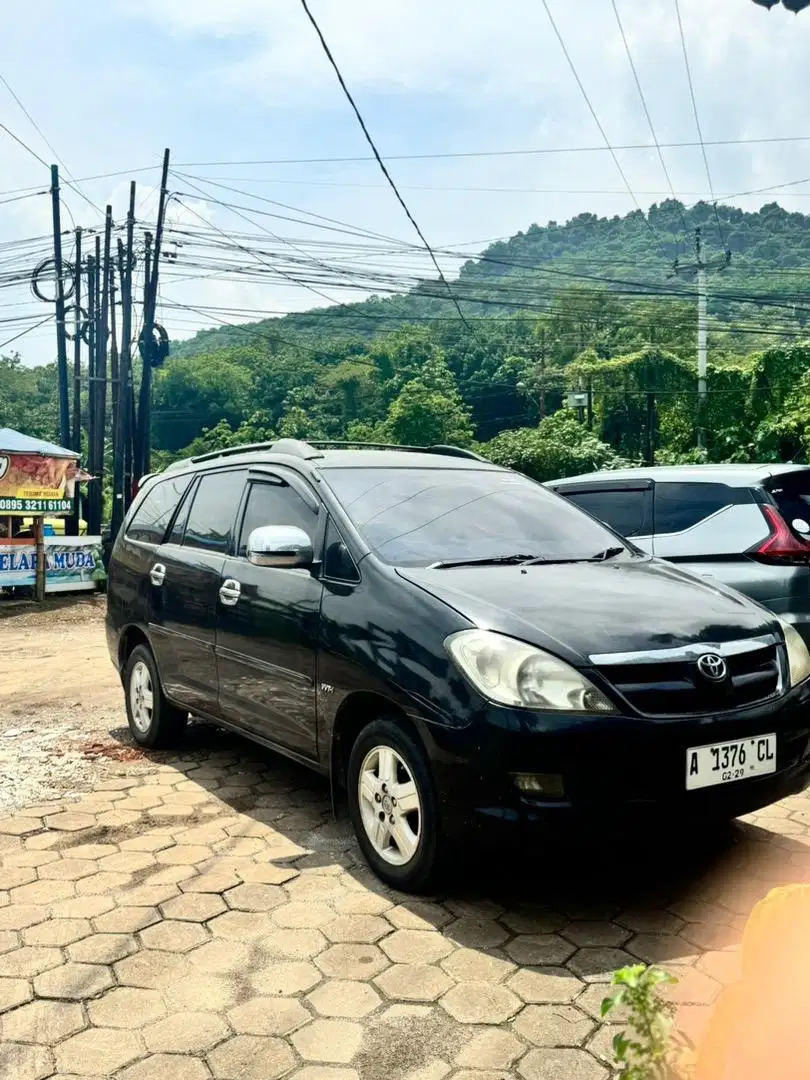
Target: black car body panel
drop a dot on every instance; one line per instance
(306, 654)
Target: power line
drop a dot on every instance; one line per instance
(697, 123)
(596, 119)
(22, 333)
(647, 114)
(379, 160)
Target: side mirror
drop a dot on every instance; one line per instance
(282, 546)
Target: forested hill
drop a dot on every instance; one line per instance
(632, 255)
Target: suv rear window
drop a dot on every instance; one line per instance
(792, 495)
(152, 517)
(416, 517)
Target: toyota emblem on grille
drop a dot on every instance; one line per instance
(712, 667)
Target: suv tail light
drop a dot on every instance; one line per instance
(782, 546)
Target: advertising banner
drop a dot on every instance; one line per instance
(72, 563)
(33, 484)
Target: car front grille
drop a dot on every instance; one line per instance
(668, 682)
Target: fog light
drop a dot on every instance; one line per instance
(544, 785)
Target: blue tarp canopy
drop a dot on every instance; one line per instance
(14, 442)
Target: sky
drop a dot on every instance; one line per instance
(243, 95)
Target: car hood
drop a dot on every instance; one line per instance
(577, 610)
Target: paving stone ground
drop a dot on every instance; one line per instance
(201, 916)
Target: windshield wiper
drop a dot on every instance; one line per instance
(487, 560)
(600, 556)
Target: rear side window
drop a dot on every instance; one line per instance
(275, 504)
(682, 506)
(152, 517)
(792, 496)
(212, 517)
(623, 511)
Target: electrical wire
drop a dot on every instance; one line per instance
(693, 98)
(379, 160)
(8, 341)
(650, 124)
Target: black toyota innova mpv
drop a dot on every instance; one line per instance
(455, 646)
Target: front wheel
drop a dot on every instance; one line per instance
(393, 806)
(153, 721)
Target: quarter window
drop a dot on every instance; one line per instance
(681, 506)
(152, 517)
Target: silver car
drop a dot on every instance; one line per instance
(748, 526)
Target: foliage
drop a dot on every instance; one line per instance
(28, 398)
(559, 446)
(650, 1049)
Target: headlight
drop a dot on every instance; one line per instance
(798, 656)
(510, 672)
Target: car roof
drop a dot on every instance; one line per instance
(732, 475)
(296, 453)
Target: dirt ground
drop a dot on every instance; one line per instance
(61, 704)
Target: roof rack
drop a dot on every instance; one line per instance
(311, 450)
(447, 451)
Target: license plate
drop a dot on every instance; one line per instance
(722, 763)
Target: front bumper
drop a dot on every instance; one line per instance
(616, 770)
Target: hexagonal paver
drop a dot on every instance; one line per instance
(328, 1040)
(185, 1033)
(414, 982)
(490, 1048)
(102, 948)
(481, 1003)
(8, 940)
(239, 925)
(251, 1057)
(533, 921)
(545, 986)
(126, 1007)
(561, 1065)
(416, 947)
(253, 896)
(25, 1062)
(166, 1067)
(650, 922)
(14, 992)
(57, 932)
(661, 948)
(302, 916)
(542, 950)
(351, 961)
(98, 1051)
(591, 1002)
(70, 821)
(18, 916)
(28, 961)
(357, 929)
(184, 855)
(553, 1025)
(268, 1016)
(293, 944)
(43, 892)
(74, 982)
(126, 920)
(344, 999)
(43, 1022)
(597, 965)
(151, 968)
(221, 957)
(20, 826)
(82, 907)
(470, 965)
(200, 993)
(584, 933)
(67, 870)
(692, 988)
(329, 1072)
(11, 877)
(476, 933)
(285, 977)
(174, 936)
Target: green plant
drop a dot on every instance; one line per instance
(650, 1049)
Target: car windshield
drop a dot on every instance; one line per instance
(419, 517)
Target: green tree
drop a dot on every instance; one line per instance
(197, 393)
(559, 446)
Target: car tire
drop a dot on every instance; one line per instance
(393, 806)
(157, 724)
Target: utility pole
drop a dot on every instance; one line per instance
(141, 456)
(700, 270)
(91, 368)
(61, 340)
(76, 438)
(146, 342)
(103, 279)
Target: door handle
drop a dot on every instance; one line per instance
(229, 592)
(157, 575)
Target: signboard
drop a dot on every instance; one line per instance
(33, 484)
(72, 563)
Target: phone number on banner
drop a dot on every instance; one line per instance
(36, 506)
